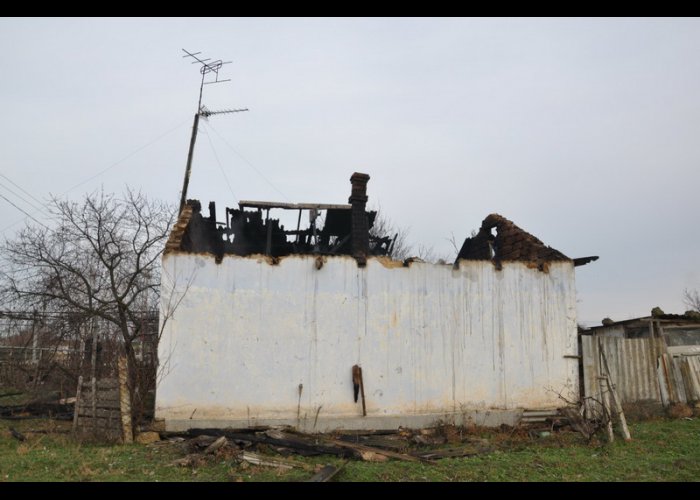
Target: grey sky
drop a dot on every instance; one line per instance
(583, 132)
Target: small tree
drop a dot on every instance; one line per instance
(100, 260)
(384, 227)
(401, 249)
(691, 298)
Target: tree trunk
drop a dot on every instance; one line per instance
(133, 381)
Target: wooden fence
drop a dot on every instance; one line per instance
(103, 409)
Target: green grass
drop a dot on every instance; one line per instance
(11, 397)
(661, 450)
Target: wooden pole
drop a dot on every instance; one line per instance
(607, 410)
(188, 168)
(613, 393)
(35, 343)
(93, 379)
(618, 410)
(77, 403)
(362, 392)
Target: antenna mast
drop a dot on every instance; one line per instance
(207, 67)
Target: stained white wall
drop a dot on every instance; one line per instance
(430, 339)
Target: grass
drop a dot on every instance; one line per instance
(11, 397)
(661, 450)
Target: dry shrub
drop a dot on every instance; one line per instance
(643, 410)
(679, 410)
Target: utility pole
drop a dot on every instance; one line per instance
(206, 67)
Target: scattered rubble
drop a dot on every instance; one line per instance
(274, 447)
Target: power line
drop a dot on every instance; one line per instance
(235, 198)
(37, 209)
(249, 164)
(45, 205)
(21, 210)
(127, 157)
(22, 189)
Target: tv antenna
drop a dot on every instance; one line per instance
(209, 69)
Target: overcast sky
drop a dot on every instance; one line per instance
(585, 133)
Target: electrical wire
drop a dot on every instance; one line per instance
(249, 164)
(126, 157)
(45, 205)
(235, 198)
(36, 209)
(22, 210)
(22, 189)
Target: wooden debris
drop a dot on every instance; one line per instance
(303, 445)
(200, 442)
(191, 460)
(17, 435)
(255, 459)
(276, 434)
(363, 448)
(242, 443)
(393, 443)
(219, 443)
(427, 440)
(463, 451)
(371, 456)
(325, 474)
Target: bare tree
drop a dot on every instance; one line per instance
(385, 227)
(401, 249)
(100, 260)
(691, 298)
(428, 254)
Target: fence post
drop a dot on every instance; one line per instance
(77, 403)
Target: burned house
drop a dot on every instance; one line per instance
(266, 325)
(345, 230)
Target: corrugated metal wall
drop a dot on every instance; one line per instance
(690, 368)
(632, 364)
(642, 370)
(679, 378)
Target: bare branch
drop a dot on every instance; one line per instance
(691, 298)
(101, 259)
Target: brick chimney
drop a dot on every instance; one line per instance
(360, 225)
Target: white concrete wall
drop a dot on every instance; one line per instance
(432, 341)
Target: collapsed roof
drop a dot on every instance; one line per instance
(346, 230)
(511, 243)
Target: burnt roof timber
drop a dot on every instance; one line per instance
(582, 261)
(292, 206)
